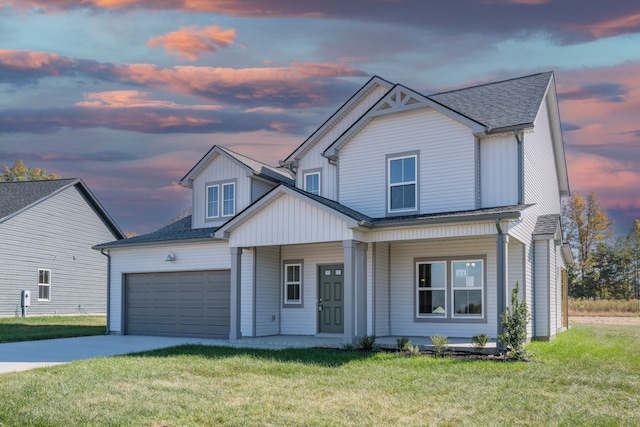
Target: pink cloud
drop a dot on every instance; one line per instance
(193, 42)
(609, 28)
(133, 99)
(27, 60)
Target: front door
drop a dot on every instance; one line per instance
(331, 299)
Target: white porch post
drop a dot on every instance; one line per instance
(349, 247)
(361, 289)
(236, 264)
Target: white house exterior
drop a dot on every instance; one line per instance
(47, 231)
(402, 215)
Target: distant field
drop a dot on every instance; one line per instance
(589, 307)
(13, 329)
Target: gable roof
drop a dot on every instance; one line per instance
(177, 230)
(498, 105)
(17, 197)
(252, 167)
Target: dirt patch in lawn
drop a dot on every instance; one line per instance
(602, 320)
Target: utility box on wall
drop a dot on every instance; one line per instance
(26, 299)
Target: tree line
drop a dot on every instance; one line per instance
(606, 266)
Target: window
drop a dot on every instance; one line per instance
(312, 182)
(450, 289)
(213, 201)
(221, 204)
(293, 284)
(468, 287)
(431, 288)
(44, 285)
(402, 184)
(229, 199)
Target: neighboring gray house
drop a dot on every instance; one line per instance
(410, 215)
(47, 230)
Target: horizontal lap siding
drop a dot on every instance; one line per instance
(381, 293)
(151, 259)
(268, 291)
(56, 234)
(541, 289)
(289, 220)
(447, 170)
(303, 321)
(403, 287)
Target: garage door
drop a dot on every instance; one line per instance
(184, 304)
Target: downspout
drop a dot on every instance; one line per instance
(502, 240)
(108, 286)
(519, 139)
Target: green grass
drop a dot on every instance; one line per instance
(589, 375)
(13, 329)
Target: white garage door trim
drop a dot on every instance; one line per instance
(180, 304)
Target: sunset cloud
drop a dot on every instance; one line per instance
(193, 42)
(610, 28)
(134, 99)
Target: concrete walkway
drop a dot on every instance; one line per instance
(21, 356)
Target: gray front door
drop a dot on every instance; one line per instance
(331, 299)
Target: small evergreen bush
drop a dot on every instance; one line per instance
(479, 341)
(367, 342)
(403, 343)
(514, 322)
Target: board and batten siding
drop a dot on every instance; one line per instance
(289, 220)
(313, 158)
(220, 169)
(403, 288)
(268, 291)
(304, 320)
(498, 171)
(447, 156)
(56, 234)
(151, 259)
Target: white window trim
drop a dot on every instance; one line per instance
(454, 288)
(402, 156)
(285, 283)
(217, 212)
(233, 210)
(310, 173)
(220, 185)
(418, 291)
(48, 285)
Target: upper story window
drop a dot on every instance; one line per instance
(312, 182)
(221, 199)
(402, 191)
(44, 285)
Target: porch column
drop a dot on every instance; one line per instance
(235, 300)
(361, 289)
(349, 247)
(502, 278)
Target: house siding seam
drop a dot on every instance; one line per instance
(56, 234)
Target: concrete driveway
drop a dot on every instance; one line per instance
(21, 356)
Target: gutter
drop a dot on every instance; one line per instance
(501, 280)
(102, 251)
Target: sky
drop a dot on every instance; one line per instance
(129, 94)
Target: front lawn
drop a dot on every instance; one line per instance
(13, 329)
(589, 375)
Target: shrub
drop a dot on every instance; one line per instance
(367, 342)
(404, 343)
(479, 341)
(440, 344)
(514, 322)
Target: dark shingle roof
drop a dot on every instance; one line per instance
(278, 173)
(501, 104)
(178, 230)
(546, 224)
(15, 196)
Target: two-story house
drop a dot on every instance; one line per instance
(402, 215)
